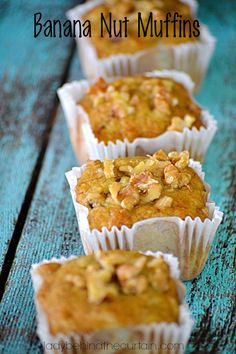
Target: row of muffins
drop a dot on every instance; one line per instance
(139, 196)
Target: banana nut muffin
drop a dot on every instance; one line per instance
(134, 38)
(107, 290)
(139, 107)
(127, 190)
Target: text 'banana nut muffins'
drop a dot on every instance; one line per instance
(143, 41)
(115, 297)
(136, 116)
(158, 202)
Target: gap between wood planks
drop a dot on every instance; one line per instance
(16, 235)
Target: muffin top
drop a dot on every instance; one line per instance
(126, 190)
(135, 41)
(107, 290)
(139, 107)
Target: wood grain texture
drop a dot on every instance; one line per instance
(51, 228)
(31, 69)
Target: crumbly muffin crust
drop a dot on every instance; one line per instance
(139, 107)
(107, 290)
(132, 43)
(126, 190)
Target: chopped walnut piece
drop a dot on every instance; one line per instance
(134, 100)
(175, 101)
(129, 202)
(98, 286)
(109, 261)
(130, 110)
(114, 189)
(142, 180)
(155, 262)
(143, 166)
(126, 168)
(184, 179)
(189, 120)
(177, 124)
(77, 280)
(135, 285)
(140, 262)
(127, 271)
(174, 156)
(108, 168)
(171, 175)
(124, 181)
(159, 280)
(129, 197)
(160, 155)
(162, 164)
(164, 202)
(161, 104)
(183, 160)
(153, 192)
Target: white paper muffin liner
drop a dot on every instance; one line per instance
(87, 146)
(157, 335)
(192, 58)
(189, 240)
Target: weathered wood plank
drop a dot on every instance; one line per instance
(30, 71)
(51, 230)
(211, 296)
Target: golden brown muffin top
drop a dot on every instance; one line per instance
(107, 290)
(106, 46)
(139, 107)
(126, 190)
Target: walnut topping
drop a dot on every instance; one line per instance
(98, 286)
(77, 280)
(135, 285)
(127, 271)
(177, 124)
(108, 260)
(132, 182)
(129, 276)
(173, 156)
(127, 168)
(159, 280)
(142, 180)
(134, 100)
(161, 104)
(129, 202)
(107, 274)
(114, 189)
(183, 160)
(160, 155)
(159, 276)
(129, 197)
(153, 192)
(183, 179)
(171, 174)
(164, 202)
(175, 101)
(108, 168)
(189, 120)
(143, 166)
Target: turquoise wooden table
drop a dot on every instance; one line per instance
(37, 219)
